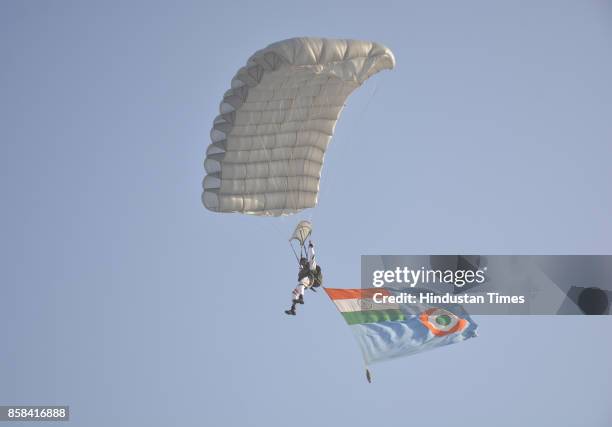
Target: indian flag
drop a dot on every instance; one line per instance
(388, 330)
(358, 305)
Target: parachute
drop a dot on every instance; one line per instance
(277, 119)
(302, 232)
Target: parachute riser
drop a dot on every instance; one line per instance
(297, 258)
(303, 252)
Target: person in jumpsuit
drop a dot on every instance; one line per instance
(305, 279)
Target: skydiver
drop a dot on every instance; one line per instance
(306, 279)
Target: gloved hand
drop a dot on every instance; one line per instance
(310, 245)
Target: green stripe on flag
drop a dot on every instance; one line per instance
(373, 316)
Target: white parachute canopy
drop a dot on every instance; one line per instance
(276, 121)
(302, 232)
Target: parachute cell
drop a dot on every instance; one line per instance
(277, 119)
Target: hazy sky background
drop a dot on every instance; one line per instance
(124, 298)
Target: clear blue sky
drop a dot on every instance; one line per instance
(124, 298)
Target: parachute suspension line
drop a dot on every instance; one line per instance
(288, 114)
(324, 102)
(263, 146)
(313, 110)
(299, 179)
(275, 180)
(368, 102)
(305, 250)
(294, 252)
(331, 186)
(260, 139)
(276, 229)
(292, 110)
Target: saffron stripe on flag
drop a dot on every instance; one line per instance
(336, 294)
(373, 316)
